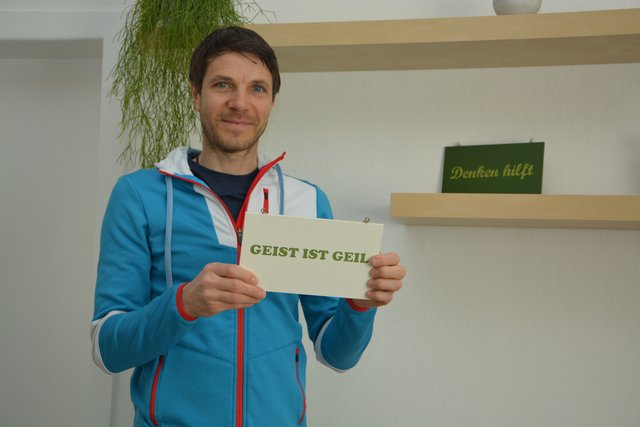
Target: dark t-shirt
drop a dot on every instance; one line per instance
(232, 189)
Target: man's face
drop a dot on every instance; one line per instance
(235, 102)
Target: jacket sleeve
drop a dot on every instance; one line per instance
(340, 331)
(129, 328)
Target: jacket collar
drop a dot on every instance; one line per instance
(176, 163)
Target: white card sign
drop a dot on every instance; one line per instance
(310, 256)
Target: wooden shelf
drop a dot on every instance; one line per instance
(600, 37)
(576, 38)
(517, 210)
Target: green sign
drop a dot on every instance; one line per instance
(495, 168)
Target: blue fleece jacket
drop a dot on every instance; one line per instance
(238, 368)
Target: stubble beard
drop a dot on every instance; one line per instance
(218, 143)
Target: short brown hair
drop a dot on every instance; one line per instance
(232, 39)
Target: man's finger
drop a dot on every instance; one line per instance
(388, 272)
(387, 285)
(237, 299)
(233, 271)
(390, 258)
(380, 297)
(237, 286)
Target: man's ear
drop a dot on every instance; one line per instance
(195, 97)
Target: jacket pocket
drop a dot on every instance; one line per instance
(304, 399)
(190, 388)
(154, 391)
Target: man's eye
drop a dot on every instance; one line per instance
(221, 85)
(259, 89)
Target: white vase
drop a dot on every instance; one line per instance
(511, 7)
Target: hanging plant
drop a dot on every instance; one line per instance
(150, 77)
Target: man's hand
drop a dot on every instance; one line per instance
(221, 287)
(386, 279)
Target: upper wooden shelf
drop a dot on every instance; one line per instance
(517, 210)
(576, 38)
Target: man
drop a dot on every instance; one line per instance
(209, 346)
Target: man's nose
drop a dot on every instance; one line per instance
(239, 100)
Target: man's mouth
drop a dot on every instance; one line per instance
(239, 119)
(236, 122)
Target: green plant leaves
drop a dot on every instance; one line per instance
(150, 77)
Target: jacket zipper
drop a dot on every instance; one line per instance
(304, 398)
(265, 200)
(237, 225)
(240, 343)
(154, 390)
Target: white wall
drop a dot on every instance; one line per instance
(495, 327)
(49, 112)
